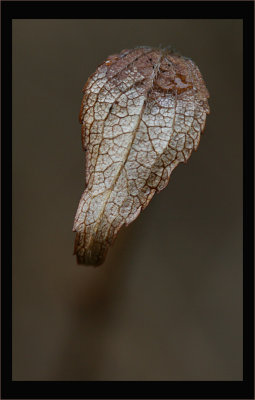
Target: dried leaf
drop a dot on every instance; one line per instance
(142, 114)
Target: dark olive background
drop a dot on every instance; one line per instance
(167, 303)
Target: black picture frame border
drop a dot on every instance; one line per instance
(128, 389)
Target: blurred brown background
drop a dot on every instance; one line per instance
(167, 303)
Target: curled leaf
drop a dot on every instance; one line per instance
(142, 114)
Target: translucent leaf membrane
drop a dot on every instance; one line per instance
(142, 114)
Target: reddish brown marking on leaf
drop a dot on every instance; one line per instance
(142, 114)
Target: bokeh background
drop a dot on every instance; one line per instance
(167, 303)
